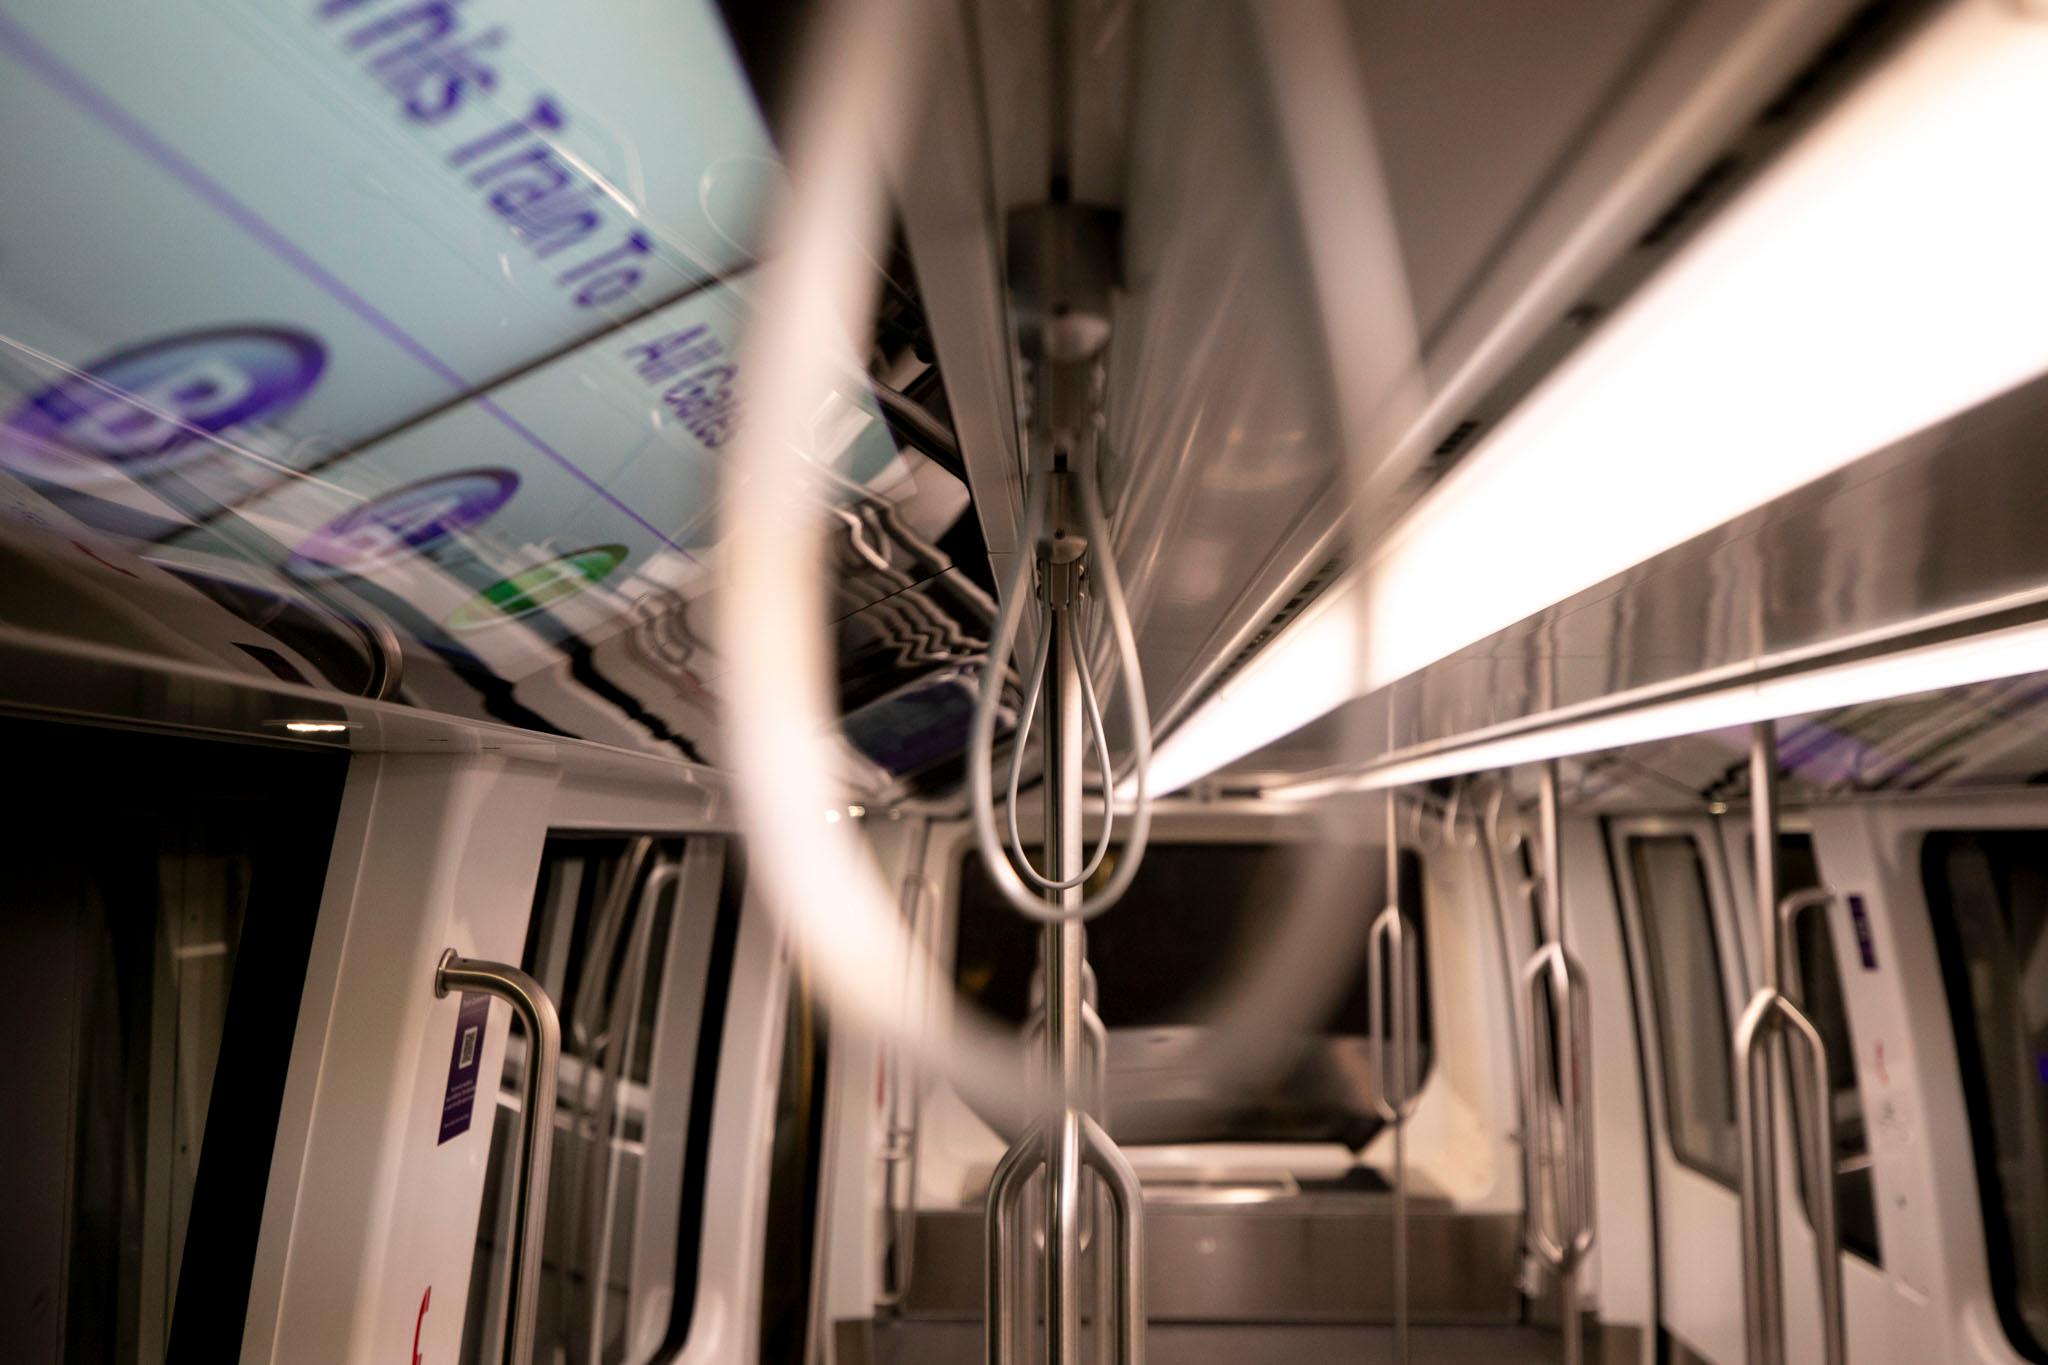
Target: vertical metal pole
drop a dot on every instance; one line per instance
(1763, 790)
(1065, 947)
(1569, 1211)
(1401, 1083)
(1763, 1315)
(1551, 847)
(537, 1114)
(899, 1179)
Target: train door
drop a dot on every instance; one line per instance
(1688, 954)
(162, 904)
(1820, 939)
(1939, 926)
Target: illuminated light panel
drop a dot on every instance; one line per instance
(315, 727)
(2010, 653)
(1887, 273)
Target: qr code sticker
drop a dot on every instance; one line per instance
(468, 1046)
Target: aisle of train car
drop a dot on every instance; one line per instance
(1078, 681)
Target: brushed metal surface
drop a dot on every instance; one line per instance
(1932, 537)
(1312, 1259)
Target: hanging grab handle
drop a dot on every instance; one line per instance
(1396, 1059)
(1566, 1177)
(981, 738)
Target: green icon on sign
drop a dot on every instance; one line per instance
(543, 585)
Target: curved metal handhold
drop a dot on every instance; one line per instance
(1496, 805)
(1789, 911)
(1005, 1194)
(1553, 966)
(1424, 833)
(1537, 1157)
(1127, 1202)
(1450, 811)
(1771, 1011)
(1820, 1156)
(1763, 1313)
(1396, 1059)
(536, 1012)
(1579, 1103)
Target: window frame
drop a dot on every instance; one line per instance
(1727, 968)
(1996, 1235)
(710, 884)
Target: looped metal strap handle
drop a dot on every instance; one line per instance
(1553, 970)
(1396, 1060)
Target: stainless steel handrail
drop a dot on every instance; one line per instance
(1396, 1060)
(900, 1138)
(1396, 1056)
(1770, 1013)
(999, 1238)
(1554, 970)
(537, 1123)
(1792, 985)
(1773, 1012)
(1127, 1206)
(1558, 1186)
(1067, 1142)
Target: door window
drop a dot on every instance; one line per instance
(161, 900)
(635, 946)
(1691, 997)
(1987, 892)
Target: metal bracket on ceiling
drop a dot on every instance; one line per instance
(1063, 275)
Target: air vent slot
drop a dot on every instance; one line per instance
(1306, 592)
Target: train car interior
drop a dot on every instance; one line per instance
(1024, 682)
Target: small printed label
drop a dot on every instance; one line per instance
(1866, 948)
(463, 1063)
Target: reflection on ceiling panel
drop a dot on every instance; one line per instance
(421, 386)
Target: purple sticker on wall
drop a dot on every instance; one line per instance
(411, 520)
(1866, 947)
(463, 1065)
(155, 405)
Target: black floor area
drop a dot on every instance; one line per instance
(959, 1343)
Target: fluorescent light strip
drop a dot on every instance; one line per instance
(2008, 653)
(1890, 271)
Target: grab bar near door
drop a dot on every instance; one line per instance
(537, 1128)
(1558, 1186)
(1775, 1012)
(1553, 972)
(1396, 1059)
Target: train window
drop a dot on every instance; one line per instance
(633, 938)
(1987, 891)
(1183, 927)
(161, 899)
(1819, 989)
(1692, 1001)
